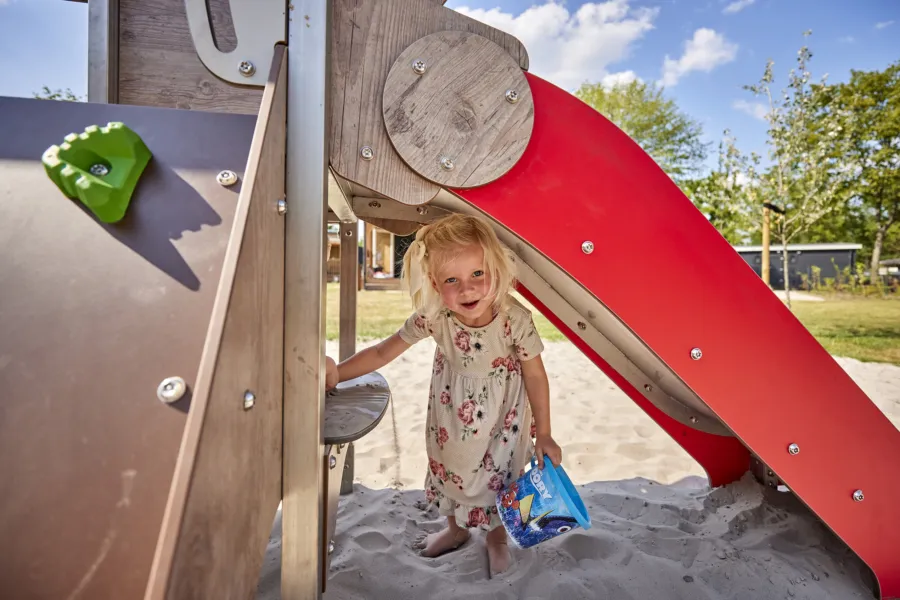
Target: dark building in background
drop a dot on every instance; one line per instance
(830, 258)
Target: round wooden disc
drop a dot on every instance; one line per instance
(457, 109)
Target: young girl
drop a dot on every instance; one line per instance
(489, 393)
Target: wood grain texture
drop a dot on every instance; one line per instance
(158, 65)
(227, 482)
(457, 110)
(367, 36)
(333, 476)
(355, 407)
(349, 270)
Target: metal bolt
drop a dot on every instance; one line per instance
(512, 96)
(419, 66)
(249, 400)
(226, 178)
(367, 153)
(582, 325)
(171, 389)
(331, 547)
(332, 462)
(99, 170)
(794, 449)
(447, 163)
(587, 247)
(282, 206)
(348, 232)
(693, 419)
(858, 496)
(246, 68)
(374, 204)
(648, 387)
(422, 210)
(696, 353)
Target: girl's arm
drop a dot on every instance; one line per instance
(537, 387)
(366, 361)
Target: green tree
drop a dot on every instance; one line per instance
(807, 154)
(721, 195)
(655, 122)
(66, 95)
(868, 106)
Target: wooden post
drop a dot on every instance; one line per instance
(765, 269)
(349, 270)
(303, 529)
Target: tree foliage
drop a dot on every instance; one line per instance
(668, 135)
(66, 95)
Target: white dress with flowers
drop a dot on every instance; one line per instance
(479, 427)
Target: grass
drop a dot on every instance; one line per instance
(866, 329)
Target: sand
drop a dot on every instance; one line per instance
(658, 531)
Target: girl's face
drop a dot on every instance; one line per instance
(463, 284)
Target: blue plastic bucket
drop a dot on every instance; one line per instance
(540, 505)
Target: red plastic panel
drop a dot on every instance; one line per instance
(723, 458)
(667, 273)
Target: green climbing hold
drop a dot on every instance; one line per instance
(100, 167)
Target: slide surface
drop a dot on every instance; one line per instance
(670, 277)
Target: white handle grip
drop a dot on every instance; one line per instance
(258, 25)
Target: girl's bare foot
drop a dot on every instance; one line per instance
(499, 558)
(435, 544)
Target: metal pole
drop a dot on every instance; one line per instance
(304, 314)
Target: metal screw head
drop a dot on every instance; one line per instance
(587, 247)
(99, 170)
(331, 547)
(422, 210)
(249, 400)
(648, 387)
(171, 389)
(367, 153)
(226, 178)
(582, 325)
(693, 419)
(246, 68)
(374, 204)
(447, 163)
(696, 353)
(348, 232)
(858, 496)
(332, 462)
(794, 449)
(281, 206)
(419, 66)
(512, 96)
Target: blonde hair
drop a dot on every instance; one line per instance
(437, 243)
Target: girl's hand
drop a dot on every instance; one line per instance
(331, 373)
(544, 444)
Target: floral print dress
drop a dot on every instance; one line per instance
(479, 427)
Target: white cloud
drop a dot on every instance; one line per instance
(883, 24)
(704, 52)
(620, 78)
(737, 6)
(570, 48)
(754, 109)
(847, 39)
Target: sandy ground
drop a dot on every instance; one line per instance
(658, 532)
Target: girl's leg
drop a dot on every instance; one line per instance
(450, 538)
(498, 550)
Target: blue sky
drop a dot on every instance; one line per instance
(704, 50)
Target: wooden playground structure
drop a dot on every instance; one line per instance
(164, 373)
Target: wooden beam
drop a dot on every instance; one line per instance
(303, 510)
(227, 481)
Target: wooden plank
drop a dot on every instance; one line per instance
(349, 268)
(367, 37)
(464, 120)
(303, 505)
(158, 65)
(93, 317)
(228, 477)
(335, 460)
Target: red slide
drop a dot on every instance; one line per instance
(672, 279)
